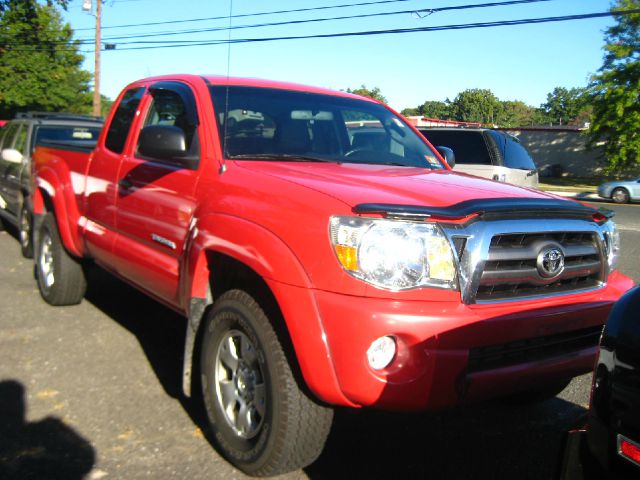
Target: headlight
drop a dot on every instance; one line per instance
(396, 255)
(612, 243)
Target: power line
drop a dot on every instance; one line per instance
(426, 12)
(423, 12)
(256, 14)
(502, 23)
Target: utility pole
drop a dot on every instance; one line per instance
(96, 74)
(87, 7)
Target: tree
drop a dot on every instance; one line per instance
(365, 92)
(435, 109)
(515, 113)
(105, 105)
(475, 105)
(30, 5)
(615, 91)
(40, 67)
(564, 105)
(410, 112)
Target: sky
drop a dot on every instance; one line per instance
(523, 62)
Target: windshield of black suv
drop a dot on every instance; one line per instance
(272, 124)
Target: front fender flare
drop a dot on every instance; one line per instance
(268, 256)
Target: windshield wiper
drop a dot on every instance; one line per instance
(280, 156)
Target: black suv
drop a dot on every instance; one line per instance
(608, 447)
(18, 140)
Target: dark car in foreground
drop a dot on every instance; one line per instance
(18, 140)
(608, 446)
(621, 191)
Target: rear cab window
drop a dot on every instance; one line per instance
(83, 135)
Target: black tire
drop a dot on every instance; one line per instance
(532, 397)
(25, 225)
(61, 280)
(261, 421)
(620, 195)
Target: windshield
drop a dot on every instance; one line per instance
(273, 124)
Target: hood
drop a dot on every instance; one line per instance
(355, 184)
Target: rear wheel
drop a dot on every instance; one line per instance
(620, 195)
(261, 421)
(60, 277)
(24, 231)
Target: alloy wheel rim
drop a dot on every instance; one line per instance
(25, 229)
(619, 195)
(239, 383)
(46, 262)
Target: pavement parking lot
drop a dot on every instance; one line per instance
(93, 391)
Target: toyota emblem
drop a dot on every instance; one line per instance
(550, 262)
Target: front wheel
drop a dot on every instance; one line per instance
(24, 231)
(261, 420)
(620, 195)
(60, 277)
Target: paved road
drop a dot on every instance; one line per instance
(627, 219)
(92, 391)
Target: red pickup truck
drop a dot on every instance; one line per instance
(324, 255)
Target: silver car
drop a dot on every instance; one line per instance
(621, 191)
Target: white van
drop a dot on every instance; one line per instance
(486, 153)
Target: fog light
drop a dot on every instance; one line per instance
(381, 352)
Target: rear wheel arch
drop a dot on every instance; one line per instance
(60, 276)
(47, 199)
(40, 201)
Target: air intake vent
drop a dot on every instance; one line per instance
(532, 349)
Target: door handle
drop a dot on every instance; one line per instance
(125, 184)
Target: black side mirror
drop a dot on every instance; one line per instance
(166, 142)
(448, 155)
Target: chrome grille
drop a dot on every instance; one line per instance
(514, 267)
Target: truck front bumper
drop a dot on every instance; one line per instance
(449, 353)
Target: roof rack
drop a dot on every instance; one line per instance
(58, 116)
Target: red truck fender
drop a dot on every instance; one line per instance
(255, 248)
(48, 184)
